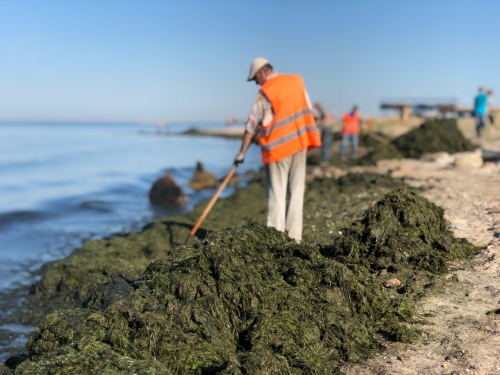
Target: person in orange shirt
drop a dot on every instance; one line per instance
(283, 116)
(350, 132)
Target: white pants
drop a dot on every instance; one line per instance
(288, 173)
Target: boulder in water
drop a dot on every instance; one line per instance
(202, 179)
(166, 192)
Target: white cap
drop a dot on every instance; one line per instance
(257, 64)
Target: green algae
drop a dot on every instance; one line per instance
(404, 234)
(330, 204)
(67, 282)
(439, 135)
(433, 136)
(249, 300)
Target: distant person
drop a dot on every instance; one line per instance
(324, 125)
(491, 111)
(351, 123)
(283, 113)
(158, 126)
(166, 126)
(481, 110)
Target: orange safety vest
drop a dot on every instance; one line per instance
(351, 124)
(293, 127)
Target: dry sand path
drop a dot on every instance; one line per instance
(464, 334)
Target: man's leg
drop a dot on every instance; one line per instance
(343, 145)
(277, 178)
(296, 186)
(326, 142)
(354, 145)
(479, 124)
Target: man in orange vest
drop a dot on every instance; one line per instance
(350, 132)
(283, 115)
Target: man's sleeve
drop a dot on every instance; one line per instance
(260, 108)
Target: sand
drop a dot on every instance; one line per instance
(464, 334)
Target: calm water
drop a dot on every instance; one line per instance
(62, 184)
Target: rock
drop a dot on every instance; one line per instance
(401, 172)
(13, 362)
(316, 172)
(334, 172)
(357, 169)
(202, 179)
(441, 158)
(392, 282)
(166, 192)
(489, 164)
(469, 160)
(383, 272)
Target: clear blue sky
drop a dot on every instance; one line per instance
(188, 61)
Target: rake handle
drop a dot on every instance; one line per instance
(211, 203)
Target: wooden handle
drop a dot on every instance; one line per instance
(212, 201)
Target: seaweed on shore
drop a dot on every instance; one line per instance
(405, 235)
(437, 135)
(432, 136)
(65, 283)
(249, 300)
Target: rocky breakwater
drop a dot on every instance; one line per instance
(250, 300)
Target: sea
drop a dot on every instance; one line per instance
(62, 184)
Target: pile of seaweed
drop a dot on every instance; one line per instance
(432, 136)
(66, 282)
(404, 235)
(249, 300)
(331, 204)
(328, 205)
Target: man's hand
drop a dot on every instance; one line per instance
(239, 158)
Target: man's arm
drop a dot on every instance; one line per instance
(261, 112)
(247, 140)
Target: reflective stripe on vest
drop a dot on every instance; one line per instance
(293, 128)
(269, 146)
(267, 131)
